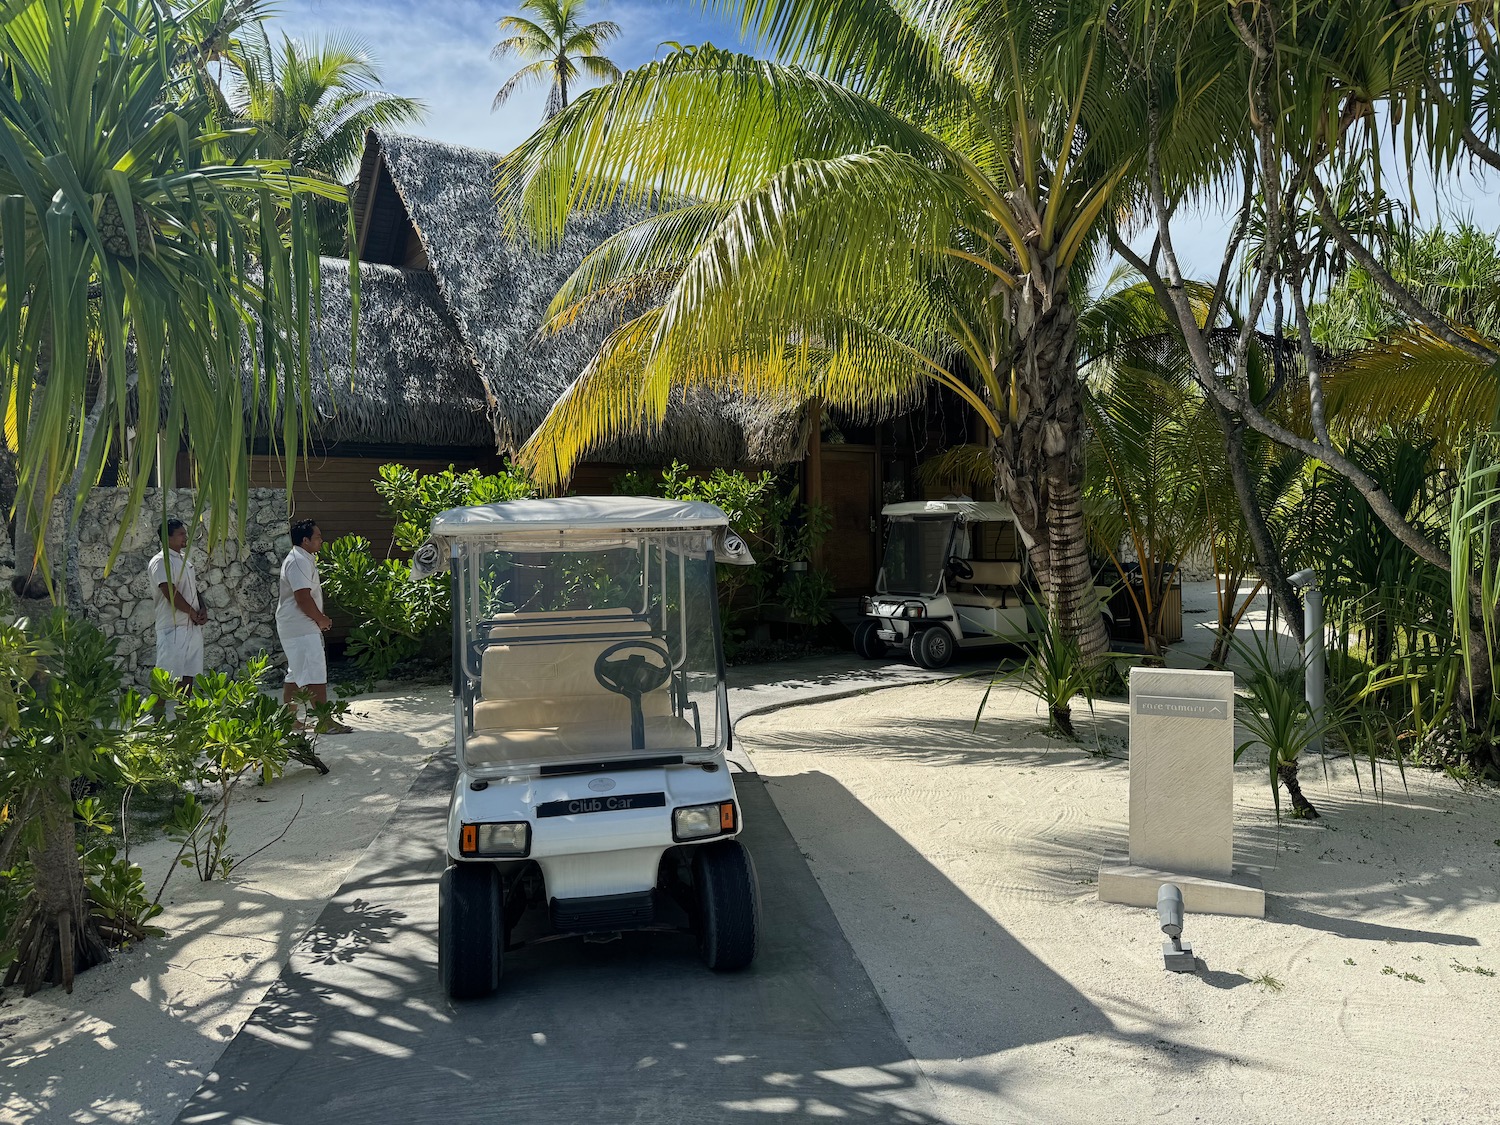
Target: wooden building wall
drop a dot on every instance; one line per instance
(338, 489)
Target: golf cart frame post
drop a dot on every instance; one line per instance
(591, 723)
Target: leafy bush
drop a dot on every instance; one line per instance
(415, 498)
(779, 531)
(63, 716)
(393, 619)
(225, 731)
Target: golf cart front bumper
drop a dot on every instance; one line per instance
(594, 835)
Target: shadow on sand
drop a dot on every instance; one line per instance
(632, 1030)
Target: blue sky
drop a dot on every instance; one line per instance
(438, 50)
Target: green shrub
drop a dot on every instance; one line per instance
(391, 618)
(415, 498)
(779, 531)
(225, 731)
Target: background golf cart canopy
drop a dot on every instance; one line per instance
(970, 511)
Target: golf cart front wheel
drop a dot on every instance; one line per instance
(932, 648)
(867, 642)
(728, 896)
(471, 931)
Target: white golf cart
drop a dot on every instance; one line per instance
(591, 726)
(953, 577)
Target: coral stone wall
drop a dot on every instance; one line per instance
(237, 581)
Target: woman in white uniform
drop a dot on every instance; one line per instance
(180, 615)
(301, 622)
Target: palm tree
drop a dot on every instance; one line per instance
(556, 47)
(311, 105)
(126, 248)
(909, 200)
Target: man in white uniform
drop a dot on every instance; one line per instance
(179, 610)
(301, 622)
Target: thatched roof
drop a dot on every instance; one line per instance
(497, 292)
(412, 384)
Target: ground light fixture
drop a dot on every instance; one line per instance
(1177, 955)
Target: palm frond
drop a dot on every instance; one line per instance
(1414, 374)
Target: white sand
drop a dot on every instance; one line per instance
(138, 1034)
(961, 866)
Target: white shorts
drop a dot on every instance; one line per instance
(305, 663)
(179, 650)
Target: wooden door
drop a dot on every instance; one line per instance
(849, 484)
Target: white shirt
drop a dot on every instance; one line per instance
(173, 568)
(299, 571)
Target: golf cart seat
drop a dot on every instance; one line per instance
(486, 748)
(994, 585)
(583, 622)
(542, 700)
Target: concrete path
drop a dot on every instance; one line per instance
(636, 1030)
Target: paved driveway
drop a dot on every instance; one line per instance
(636, 1030)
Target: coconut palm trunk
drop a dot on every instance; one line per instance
(1039, 465)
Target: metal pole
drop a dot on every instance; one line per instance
(1314, 643)
(1313, 657)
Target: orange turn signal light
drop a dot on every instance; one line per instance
(468, 840)
(726, 816)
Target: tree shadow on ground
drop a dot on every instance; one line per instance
(357, 1029)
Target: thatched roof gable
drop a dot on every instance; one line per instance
(497, 292)
(412, 384)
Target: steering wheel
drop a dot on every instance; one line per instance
(960, 568)
(634, 675)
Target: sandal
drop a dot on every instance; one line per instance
(335, 728)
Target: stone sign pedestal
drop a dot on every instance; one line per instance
(1182, 797)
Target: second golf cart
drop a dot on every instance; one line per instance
(593, 795)
(953, 577)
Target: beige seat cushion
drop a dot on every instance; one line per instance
(990, 573)
(596, 622)
(552, 710)
(982, 600)
(580, 740)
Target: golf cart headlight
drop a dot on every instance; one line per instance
(509, 839)
(696, 822)
(914, 609)
(866, 606)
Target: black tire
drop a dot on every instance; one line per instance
(932, 648)
(867, 642)
(728, 900)
(471, 931)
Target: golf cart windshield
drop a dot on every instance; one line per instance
(915, 551)
(587, 645)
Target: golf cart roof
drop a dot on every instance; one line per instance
(969, 511)
(578, 513)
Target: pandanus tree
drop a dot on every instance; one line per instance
(907, 200)
(133, 246)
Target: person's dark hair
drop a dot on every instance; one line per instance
(174, 526)
(302, 531)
